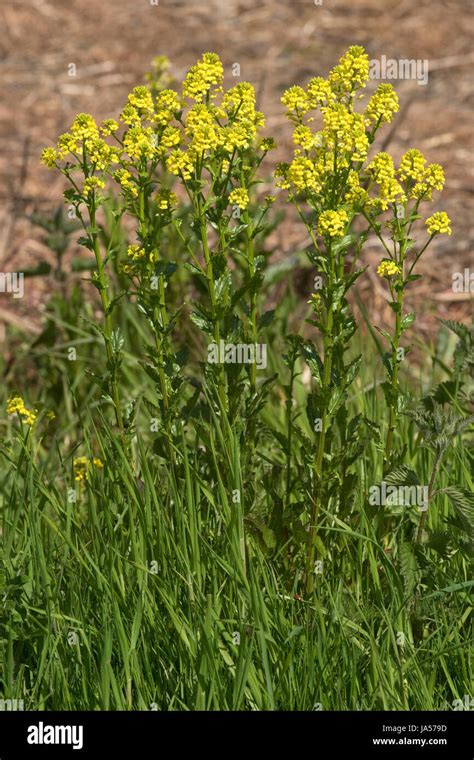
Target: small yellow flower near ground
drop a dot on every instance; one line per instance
(239, 197)
(439, 224)
(134, 252)
(388, 268)
(82, 465)
(16, 405)
(332, 223)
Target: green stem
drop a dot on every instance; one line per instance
(319, 458)
(393, 410)
(436, 466)
(104, 295)
(212, 296)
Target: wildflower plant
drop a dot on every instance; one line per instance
(256, 468)
(224, 509)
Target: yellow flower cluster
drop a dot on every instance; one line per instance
(160, 125)
(413, 179)
(343, 143)
(140, 143)
(82, 465)
(166, 199)
(333, 223)
(382, 105)
(302, 174)
(205, 74)
(351, 73)
(355, 194)
(108, 127)
(381, 170)
(91, 184)
(124, 178)
(16, 405)
(296, 100)
(168, 105)
(239, 197)
(388, 268)
(179, 164)
(135, 253)
(203, 131)
(439, 224)
(412, 165)
(83, 139)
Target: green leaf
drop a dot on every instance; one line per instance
(266, 319)
(463, 502)
(402, 476)
(408, 567)
(408, 320)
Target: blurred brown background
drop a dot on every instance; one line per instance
(276, 43)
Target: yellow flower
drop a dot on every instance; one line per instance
(434, 176)
(239, 197)
(319, 92)
(66, 144)
(135, 253)
(82, 465)
(296, 99)
(108, 127)
(304, 137)
(355, 194)
(388, 268)
(202, 129)
(16, 405)
(84, 127)
(332, 223)
(352, 72)
(382, 105)
(302, 174)
(124, 178)
(439, 224)
(49, 157)
(166, 199)
(91, 184)
(140, 143)
(101, 154)
(382, 168)
(167, 104)
(202, 76)
(170, 138)
(412, 165)
(139, 104)
(179, 164)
